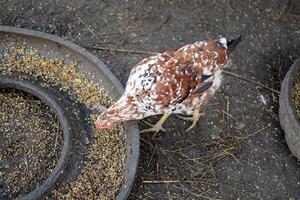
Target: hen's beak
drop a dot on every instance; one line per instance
(102, 124)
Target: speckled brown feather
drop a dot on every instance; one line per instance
(172, 82)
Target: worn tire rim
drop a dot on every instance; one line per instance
(287, 110)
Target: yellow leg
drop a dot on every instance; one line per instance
(195, 117)
(158, 126)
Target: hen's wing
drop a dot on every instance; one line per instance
(168, 79)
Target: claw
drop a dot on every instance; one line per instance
(192, 126)
(195, 117)
(185, 118)
(155, 128)
(158, 126)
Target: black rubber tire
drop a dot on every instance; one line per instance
(287, 111)
(90, 64)
(41, 93)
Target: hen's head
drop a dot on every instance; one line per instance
(120, 111)
(107, 118)
(100, 124)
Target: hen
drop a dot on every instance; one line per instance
(178, 82)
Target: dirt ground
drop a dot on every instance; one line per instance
(237, 151)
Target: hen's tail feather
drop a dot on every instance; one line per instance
(234, 43)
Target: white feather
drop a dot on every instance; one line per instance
(223, 41)
(262, 99)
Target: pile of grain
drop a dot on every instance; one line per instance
(102, 174)
(30, 143)
(296, 95)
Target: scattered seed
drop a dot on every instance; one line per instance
(102, 173)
